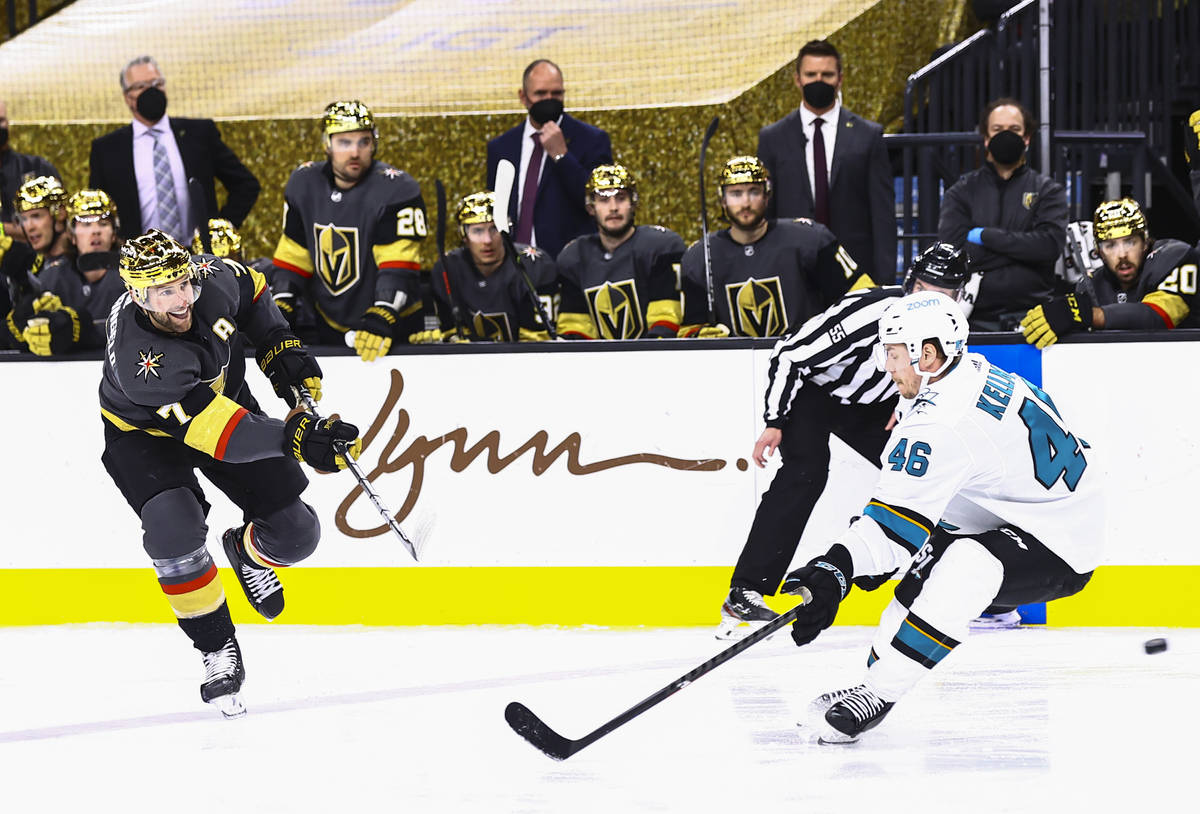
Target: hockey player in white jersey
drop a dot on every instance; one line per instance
(985, 498)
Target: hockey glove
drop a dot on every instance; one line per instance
(54, 328)
(1191, 141)
(827, 578)
(717, 331)
(434, 337)
(287, 364)
(1046, 324)
(374, 336)
(311, 440)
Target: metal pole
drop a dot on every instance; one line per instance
(1044, 30)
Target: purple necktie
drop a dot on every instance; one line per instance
(820, 176)
(529, 191)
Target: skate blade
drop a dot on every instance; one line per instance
(732, 629)
(833, 737)
(231, 706)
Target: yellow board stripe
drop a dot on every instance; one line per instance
(206, 430)
(1136, 596)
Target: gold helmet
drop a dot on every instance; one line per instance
(347, 117)
(1114, 219)
(223, 237)
(90, 205)
(153, 259)
(607, 180)
(745, 169)
(478, 207)
(43, 192)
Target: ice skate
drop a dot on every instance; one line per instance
(856, 711)
(997, 621)
(223, 677)
(261, 585)
(743, 612)
(821, 704)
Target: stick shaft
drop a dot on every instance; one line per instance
(534, 730)
(341, 448)
(708, 276)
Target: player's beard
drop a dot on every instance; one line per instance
(620, 232)
(351, 177)
(756, 218)
(165, 321)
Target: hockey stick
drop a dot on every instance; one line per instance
(441, 247)
(708, 277)
(341, 449)
(200, 207)
(506, 174)
(533, 729)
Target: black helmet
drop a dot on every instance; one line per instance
(941, 265)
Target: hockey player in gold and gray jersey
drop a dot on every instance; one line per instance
(174, 400)
(351, 238)
(1144, 284)
(42, 215)
(479, 292)
(622, 283)
(768, 276)
(73, 297)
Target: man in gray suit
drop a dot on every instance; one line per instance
(830, 165)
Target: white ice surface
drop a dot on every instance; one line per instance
(108, 718)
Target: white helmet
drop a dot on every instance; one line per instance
(916, 318)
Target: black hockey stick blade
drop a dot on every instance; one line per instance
(534, 729)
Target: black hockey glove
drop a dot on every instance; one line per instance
(827, 578)
(374, 337)
(287, 364)
(1046, 324)
(310, 440)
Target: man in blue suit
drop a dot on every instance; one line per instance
(554, 154)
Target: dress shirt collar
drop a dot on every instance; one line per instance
(807, 117)
(163, 126)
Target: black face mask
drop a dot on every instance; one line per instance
(819, 95)
(547, 110)
(94, 261)
(3, 137)
(1006, 147)
(152, 104)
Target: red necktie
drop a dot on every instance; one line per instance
(529, 191)
(820, 176)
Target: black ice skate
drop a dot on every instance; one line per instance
(260, 584)
(223, 677)
(852, 714)
(743, 607)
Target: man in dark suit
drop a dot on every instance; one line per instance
(148, 167)
(851, 190)
(554, 154)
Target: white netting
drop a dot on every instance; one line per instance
(288, 58)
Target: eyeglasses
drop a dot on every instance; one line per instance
(138, 87)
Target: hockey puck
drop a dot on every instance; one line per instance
(1155, 645)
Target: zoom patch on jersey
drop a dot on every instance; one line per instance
(337, 256)
(757, 307)
(616, 310)
(148, 363)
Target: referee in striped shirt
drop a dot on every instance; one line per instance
(822, 379)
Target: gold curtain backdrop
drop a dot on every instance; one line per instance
(443, 78)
